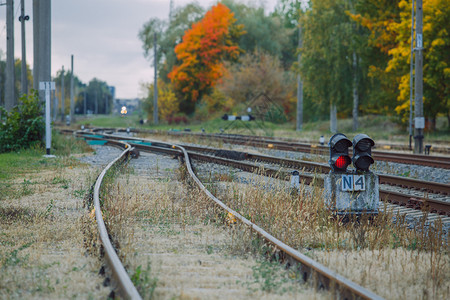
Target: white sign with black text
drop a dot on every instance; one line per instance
(350, 183)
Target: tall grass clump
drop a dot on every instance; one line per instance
(303, 221)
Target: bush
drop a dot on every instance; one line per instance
(23, 126)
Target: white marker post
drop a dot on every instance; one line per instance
(48, 86)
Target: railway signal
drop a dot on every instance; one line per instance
(353, 192)
(362, 152)
(339, 158)
(244, 118)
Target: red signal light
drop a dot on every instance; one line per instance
(342, 162)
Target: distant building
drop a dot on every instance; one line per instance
(131, 105)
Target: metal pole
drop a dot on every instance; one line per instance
(10, 98)
(63, 97)
(411, 70)
(24, 78)
(155, 86)
(36, 61)
(419, 120)
(55, 105)
(72, 104)
(96, 103)
(84, 102)
(299, 86)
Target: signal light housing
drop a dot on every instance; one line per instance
(362, 152)
(339, 158)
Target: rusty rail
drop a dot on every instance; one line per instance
(126, 286)
(325, 275)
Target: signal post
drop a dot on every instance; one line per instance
(351, 192)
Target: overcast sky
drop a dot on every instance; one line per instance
(103, 37)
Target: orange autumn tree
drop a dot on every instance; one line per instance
(201, 55)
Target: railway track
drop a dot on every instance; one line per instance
(252, 162)
(434, 161)
(405, 158)
(323, 277)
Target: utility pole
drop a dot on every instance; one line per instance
(42, 42)
(10, 98)
(84, 102)
(24, 79)
(36, 45)
(96, 103)
(72, 104)
(155, 86)
(419, 121)
(171, 10)
(106, 104)
(63, 98)
(411, 70)
(299, 85)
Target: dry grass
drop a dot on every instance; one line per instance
(176, 241)
(390, 259)
(42, 252)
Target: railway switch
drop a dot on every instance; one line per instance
(362, 152)
(339, 158)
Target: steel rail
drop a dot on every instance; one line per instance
(405, 182)
(434, 206)
(287, 145)
(346, 286)
(324, 278)
(126, 286)
(405, 158)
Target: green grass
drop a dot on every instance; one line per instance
(378, 127)
(15, 165)
(110, 121)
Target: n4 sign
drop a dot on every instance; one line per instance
(350, 183)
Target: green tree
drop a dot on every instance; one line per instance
(327, 52)
(259, 26)
(169, 34)
(98, 97)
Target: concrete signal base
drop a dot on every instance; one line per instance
(352, 193)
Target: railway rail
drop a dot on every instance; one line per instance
(323, 277)
(251, 162)
(405, 158)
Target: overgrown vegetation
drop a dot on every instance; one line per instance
(41, 221)
(14, 165)
(23, 126)
(303, 222)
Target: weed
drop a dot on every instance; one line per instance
(12, 259)
(269, 276)
(144, 282)
(26, 188)
(48, 210)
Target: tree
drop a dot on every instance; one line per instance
(98, 97)
(390, 27)
(66, 97)
(201, 54)
(256, 74)
(258, 26)
(168, 103)
(326, 66)
(169, 34)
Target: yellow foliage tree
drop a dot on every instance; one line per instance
(392, 34)
(168, 103)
